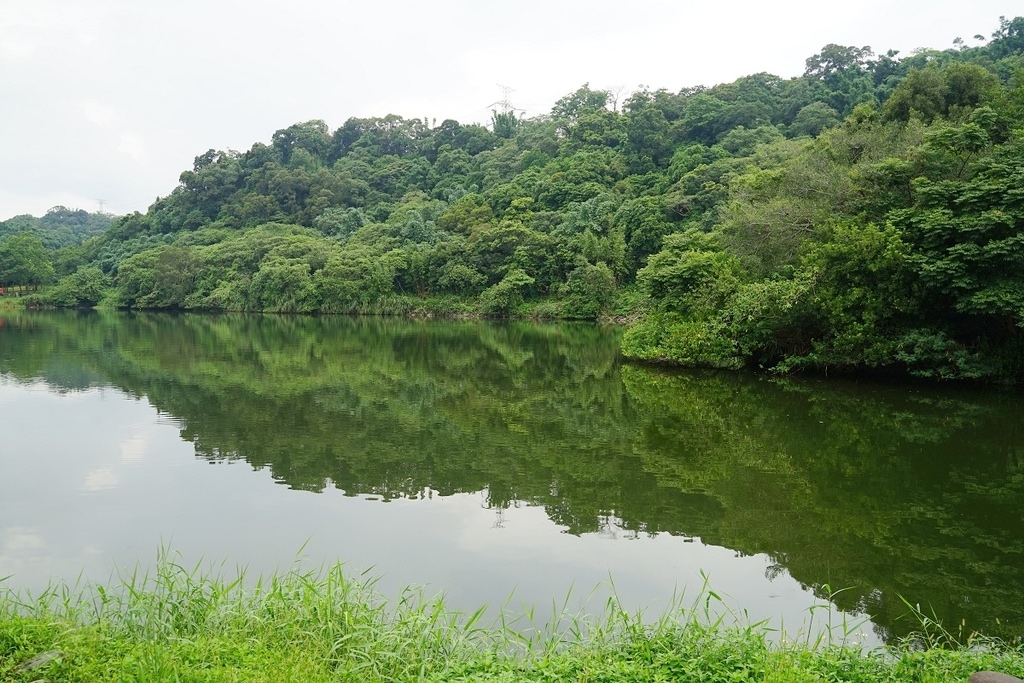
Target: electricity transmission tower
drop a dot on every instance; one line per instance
(504, 103)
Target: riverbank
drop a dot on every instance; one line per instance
(626, 307)
(181, 624)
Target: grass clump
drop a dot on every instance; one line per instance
(182, 624)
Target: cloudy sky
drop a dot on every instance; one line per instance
(111, 99)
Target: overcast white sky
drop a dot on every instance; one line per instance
(112, 99)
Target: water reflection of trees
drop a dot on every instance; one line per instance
(890, 491)
(887, 491)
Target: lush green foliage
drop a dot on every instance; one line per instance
(882, 244)
(185, 624)
(865, 215)
(60, 227)
(23, 261)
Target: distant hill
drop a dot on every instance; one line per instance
(60, 227)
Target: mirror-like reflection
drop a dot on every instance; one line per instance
(888, 493)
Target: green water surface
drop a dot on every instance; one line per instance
(489, 460)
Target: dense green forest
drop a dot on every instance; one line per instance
(59, 227)
(867, 214)
(33, 250)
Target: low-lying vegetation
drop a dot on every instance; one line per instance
(187, 625)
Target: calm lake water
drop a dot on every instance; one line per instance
(517, 463)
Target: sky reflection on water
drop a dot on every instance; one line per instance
(97, 482)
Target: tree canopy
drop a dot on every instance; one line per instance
(863, 215)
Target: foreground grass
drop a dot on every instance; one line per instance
(180, 624)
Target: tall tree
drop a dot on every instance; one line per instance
(25, 261)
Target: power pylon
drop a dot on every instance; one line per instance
(505, 104)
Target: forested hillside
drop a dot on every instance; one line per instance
(59, 227)
(32, 249)
(868, 214)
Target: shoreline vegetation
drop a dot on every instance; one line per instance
(187, 624)
(863, 217)
(446, 308)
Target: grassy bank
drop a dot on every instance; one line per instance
(179, 624)
(11, 303)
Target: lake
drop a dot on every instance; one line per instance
(516, 464)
